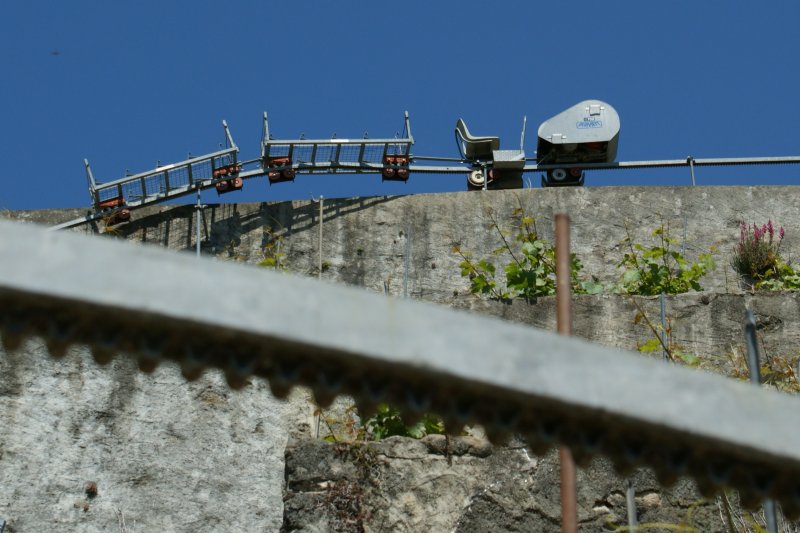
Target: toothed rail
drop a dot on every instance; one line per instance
(291, 331)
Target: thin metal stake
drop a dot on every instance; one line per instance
(199, 209)
(630, 497)
(754, 366)
(319, 272)
(663, 300)
(690, 160)
(407, 259)
(569, 504)
(752, 348)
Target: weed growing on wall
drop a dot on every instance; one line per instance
(777, 371)
(757, 259)
(272, 247)
(663, 339)
(686, 525)
(649, 271)
(386, 422)
(530, 264)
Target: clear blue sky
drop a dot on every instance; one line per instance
(127, 83)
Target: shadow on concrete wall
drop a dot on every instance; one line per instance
(224, 224)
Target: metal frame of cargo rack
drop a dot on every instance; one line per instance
(165, 182)
(334, 156)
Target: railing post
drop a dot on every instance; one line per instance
(569, 506)
(199, 210)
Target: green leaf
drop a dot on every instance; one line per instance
(592, 287)
(653, 345)
(631, 276)
(688, 358)
(487, 266)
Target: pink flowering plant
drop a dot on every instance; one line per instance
(757, 258)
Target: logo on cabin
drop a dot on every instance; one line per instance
(588, 123)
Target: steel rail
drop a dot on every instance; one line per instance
(667, 163)
(376, 168)
(118, 297)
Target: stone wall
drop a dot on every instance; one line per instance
(466, 485)
(365, 239)
(171, 455)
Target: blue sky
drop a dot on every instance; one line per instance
(126, 83)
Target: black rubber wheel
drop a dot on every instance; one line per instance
(558, 176)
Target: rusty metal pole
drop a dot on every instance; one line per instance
(569, 506)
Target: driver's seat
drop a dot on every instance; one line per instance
(474, 148)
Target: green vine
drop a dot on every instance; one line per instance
(531, 267)
(386, 422)
(649, 271)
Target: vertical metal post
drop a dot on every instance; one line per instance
(321, 200)
(485, 178)
(630, 498)
(663, 300)
(569, 505)
(319, 264)
(228, 136)
(198, 209)
(92, 183)
(265, 138)
(407, 260)
(754, 365)
(690, 160)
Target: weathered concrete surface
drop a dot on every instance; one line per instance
(223, 473)
(166, 455)
(709, 325)
(465, 485)
(364, 239)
